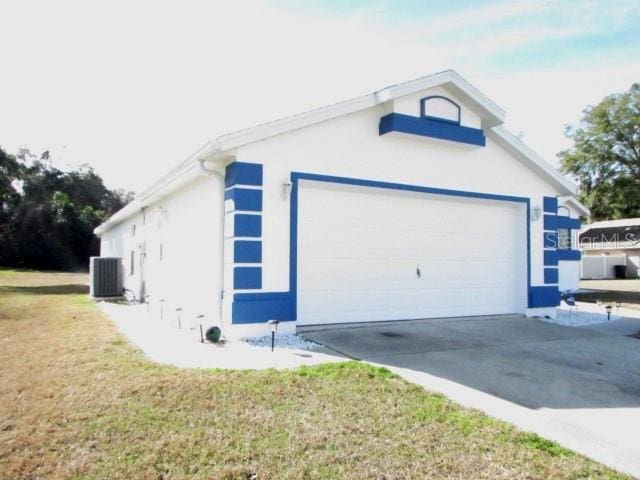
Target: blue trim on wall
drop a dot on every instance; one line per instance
(540, 297)
(245, 278)
(550, 239)
(424, 114)
(552, 257)
(293, 233)
(262, 307)
(573, 255)
(242, 173)
(551, 275)
(550, 205)
(247, 225)
(247, 251)
(246, 199)
(554, 222)
(426, 127)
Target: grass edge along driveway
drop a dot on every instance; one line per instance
(77, 401)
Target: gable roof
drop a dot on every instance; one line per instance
(491, 115)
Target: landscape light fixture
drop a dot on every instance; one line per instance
(608, 308)
(161, 309)
(178, 310)
(200, 317)
(618, 308)
(273, 328)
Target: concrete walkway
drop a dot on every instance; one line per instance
(577, 386)
(164, 343)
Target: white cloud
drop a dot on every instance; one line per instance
(133, 87)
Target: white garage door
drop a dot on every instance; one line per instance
(369, 254)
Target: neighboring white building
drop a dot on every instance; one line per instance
(610, 243)
(411, 202)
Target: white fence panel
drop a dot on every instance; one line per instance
(601, 266)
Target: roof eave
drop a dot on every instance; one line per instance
(534, 161)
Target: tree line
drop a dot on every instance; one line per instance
(605, 156)
(47, 216)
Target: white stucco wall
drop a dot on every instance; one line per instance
(351, 147)
(348, 146)
(187, 225)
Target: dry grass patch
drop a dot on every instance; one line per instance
(77, 401)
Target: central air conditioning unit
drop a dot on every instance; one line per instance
(106, 276)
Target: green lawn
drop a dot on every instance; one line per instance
(77, 401)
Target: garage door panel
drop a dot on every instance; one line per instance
(359, 250)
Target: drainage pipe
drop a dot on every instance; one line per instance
(220, 177)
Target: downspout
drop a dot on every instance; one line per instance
(214, 173)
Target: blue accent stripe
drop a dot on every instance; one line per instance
(241, 173)
(554, 222)
(552, 257)
(550, 205)
(247, 278)
(568, 255)
(551, 275)
(540, 297)
(245, 199)
(247, 251)
(262, 307)
(247, 225)
(550, 239)
(426, 127)
(293, 232)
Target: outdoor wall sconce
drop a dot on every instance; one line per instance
(536, 213)
(273, 328)
(286, 188)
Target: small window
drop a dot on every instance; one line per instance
(440, 108)
(160, 253)
(564, 239)
(133, 230)
(132, 263)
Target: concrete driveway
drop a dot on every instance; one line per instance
(578, 386)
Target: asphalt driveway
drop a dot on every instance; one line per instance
(579, 386)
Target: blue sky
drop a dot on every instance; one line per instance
(134, 87)
(543, 32)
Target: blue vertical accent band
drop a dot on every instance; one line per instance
(247, 251)
(246, 199)
(247, 225)
(241, 173)
(247, 278)
(550, 205)
(550, 275)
